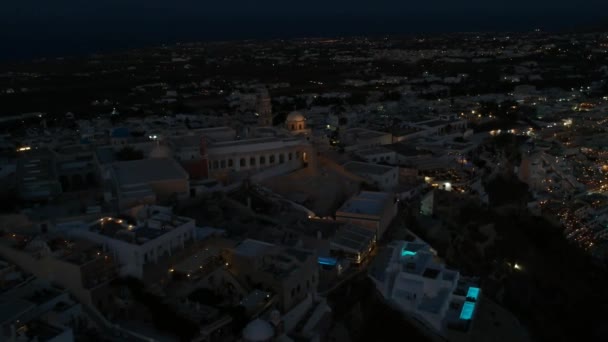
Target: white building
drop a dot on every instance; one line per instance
(145, 181)
(37, 311)
(134, 246)
(361, 138)
(353, 242)
(384, 177)
(371, 210)
(410, 276)
(252, 155)
(291, 273)
(378, 155)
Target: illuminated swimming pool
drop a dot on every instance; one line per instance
(405, 252)
(473, 293)
(327, 261)
(467, 310)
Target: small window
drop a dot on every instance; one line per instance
(262, 160)
(243, 162)
(290, 156)
(215, 164)
(271, 159)
(230, 163)
(223, 164)
(252, 161)
(281, 158)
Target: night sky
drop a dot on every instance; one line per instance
(32, 28)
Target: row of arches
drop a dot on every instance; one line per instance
(255, 161)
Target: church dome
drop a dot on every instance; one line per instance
(257, 331)
(295, 116)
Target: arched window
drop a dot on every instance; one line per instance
(300, 126)
(293, 127)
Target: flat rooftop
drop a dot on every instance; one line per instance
(250, 142)
(35, 293)
(362, 133)
(355, 238)
(77, 252)
(195, 263)
(407, 149)
(253, 248)
(284, 263)
(154, 227)
(40, 331)
(373, 151)
(367, 168)
(366, 203)
(401, 131)
(13, 308)
(148, 171)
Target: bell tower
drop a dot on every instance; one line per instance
(263, 109)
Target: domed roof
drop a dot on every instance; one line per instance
(295, 116)
(258, 330)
